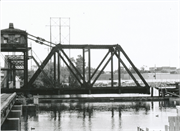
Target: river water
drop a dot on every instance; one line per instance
(98, 116)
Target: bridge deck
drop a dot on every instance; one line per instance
(4, 98)
(7, 101)
(94, 90)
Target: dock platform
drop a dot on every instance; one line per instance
(10, 113)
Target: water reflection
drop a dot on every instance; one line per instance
(90, 116)
(86, 109)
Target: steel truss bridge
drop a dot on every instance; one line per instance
(15, 40)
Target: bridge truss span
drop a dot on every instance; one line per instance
(87, 79)
(85, 76)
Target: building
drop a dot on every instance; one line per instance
(163, 69)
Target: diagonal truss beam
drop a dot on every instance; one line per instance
(36, 74)
(99, 65)
(42, 70)
(113, 49)
(129, 72)
(136, 70)
(69, 68)
(70, 61)
(103, 68)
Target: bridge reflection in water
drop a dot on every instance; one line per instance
(108, 116)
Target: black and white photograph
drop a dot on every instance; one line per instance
(90, 65)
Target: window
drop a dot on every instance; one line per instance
(5, 40)
(17, 38)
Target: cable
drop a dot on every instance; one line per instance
(37, 56)
(40, 40)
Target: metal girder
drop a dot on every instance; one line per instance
(113, 50)
(41, 69)
(129, 72)
(5, 69)
(34, 77)
(16, 60)
(54, 68)
(95, 46)
(70, 61)
(103, 68)
(99, 65)
(70, 69)
(136, 70)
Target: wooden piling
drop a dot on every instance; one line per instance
(152, 89)
(119, 112)
(179, 89)
(112, 112)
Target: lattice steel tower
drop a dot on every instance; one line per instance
(60, 30)
(59, 33)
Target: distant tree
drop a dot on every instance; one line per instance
(163, 71)
(142, 70)
(173, 72)
(79, 65)
(20, 74)
(131, 69)
(48, 79)
(123, 71)
(72, 80)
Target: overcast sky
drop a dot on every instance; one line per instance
(148, 31)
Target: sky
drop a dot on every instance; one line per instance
(148, 31)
